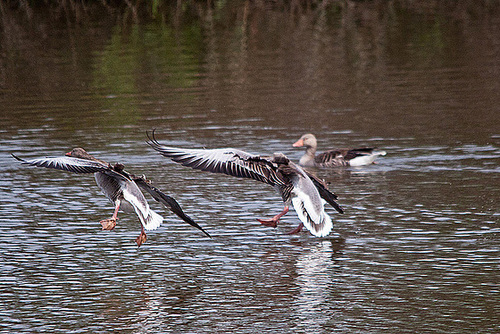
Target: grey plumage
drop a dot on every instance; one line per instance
(116, 184)
(289, 179)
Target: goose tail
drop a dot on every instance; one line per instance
(319, 225)
(152, 221)
(366, 159)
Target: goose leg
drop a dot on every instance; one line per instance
(273, 222)
(110, 223)
(297, 229)
(141, 238)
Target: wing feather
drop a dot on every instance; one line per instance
(70, 164)
(168, 201)
(326, 194)
(357, 152)
(228, 161)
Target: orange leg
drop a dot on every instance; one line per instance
(297, 229)
(273, 222)
(110, 223)
(141, 238)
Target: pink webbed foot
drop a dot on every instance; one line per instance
(141, 238)
(108, 224)
(273, 222)
(297, 229)
(269, 222)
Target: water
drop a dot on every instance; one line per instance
(417, 249)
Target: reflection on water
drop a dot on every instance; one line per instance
(315, 279)
(417, 249)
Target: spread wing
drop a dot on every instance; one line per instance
(69, 164)
(168, 201)
(228, 161)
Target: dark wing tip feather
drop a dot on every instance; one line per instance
(337, 207)
(17, 158)
(326, 194)
(357, 152)
(170, 202)
(152, 141)
(330, 198)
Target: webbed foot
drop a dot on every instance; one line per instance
(108, 224)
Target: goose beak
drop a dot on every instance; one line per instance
(68, 154)
(299, 143)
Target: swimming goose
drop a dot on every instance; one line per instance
(120, 187)
(304, 191)
(334, 158)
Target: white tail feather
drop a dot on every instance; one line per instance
(319, 227)
(366, 159)
(153, 221)
(149, 219)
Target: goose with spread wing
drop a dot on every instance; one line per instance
(334, 158)
(296, 186)
(120, 187)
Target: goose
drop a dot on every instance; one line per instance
(297, 187)
(120, 187)
(335, 158)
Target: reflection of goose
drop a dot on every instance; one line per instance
(119, 187)
(296, 186)
(334, 158)
(315, 279)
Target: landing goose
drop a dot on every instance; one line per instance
(120, 187)
(304, 191)
(335, 158)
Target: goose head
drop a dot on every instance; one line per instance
(308, 140)
(80, 153)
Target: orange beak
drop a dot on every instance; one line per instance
(68, 154)
(299, 143)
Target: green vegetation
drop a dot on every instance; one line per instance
(167, 49)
